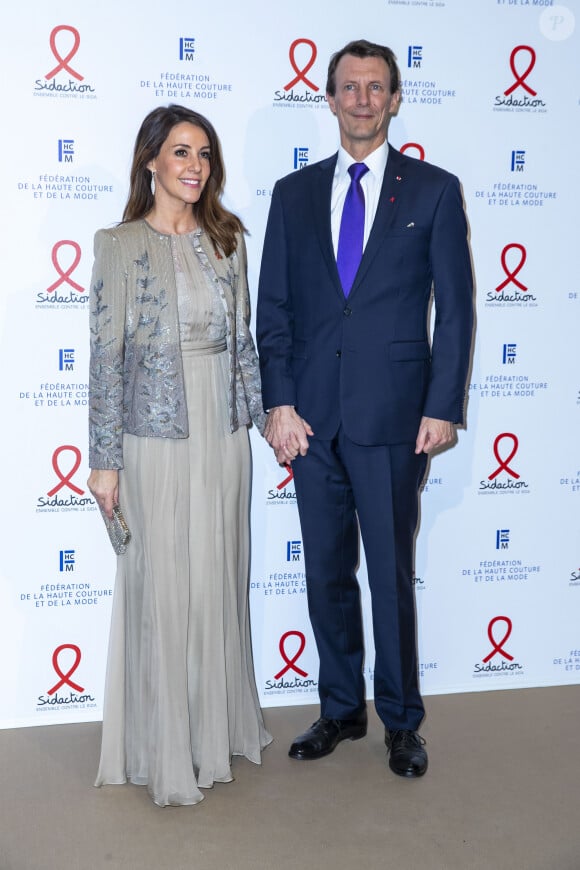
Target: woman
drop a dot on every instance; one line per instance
(173, 385)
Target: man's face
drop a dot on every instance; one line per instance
(363, 103)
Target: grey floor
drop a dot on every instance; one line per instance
(502, 791)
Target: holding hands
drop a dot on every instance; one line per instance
(287, 433)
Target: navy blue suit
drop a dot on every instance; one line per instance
(363, 372)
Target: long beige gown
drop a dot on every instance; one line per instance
(180, 695)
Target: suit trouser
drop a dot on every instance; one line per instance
(339, 486)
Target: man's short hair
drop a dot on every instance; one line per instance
(363, 48)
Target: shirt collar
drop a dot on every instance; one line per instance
(376, 161)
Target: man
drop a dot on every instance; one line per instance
(357, 396)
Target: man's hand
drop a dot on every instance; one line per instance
(287, 433)
(434, 433)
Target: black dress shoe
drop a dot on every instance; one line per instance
(324, 736)
(407, 756)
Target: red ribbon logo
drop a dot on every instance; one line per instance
(520, 80)
(504, 463)
(65, 479)
(65, 679)
(291, 662)
(65, 275)
(301, 72)
(511, 275)
(63, 61)
(498, 646)
(286, 480)
(413, 145)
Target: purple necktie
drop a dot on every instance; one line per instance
(352, 226)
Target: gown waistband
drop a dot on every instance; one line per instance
(203, 348)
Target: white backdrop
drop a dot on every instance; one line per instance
(492, 93)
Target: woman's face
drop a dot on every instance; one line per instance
(182, 166)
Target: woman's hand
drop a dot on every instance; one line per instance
(287, 433)
(104, 485)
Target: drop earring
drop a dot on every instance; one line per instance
(153, 182)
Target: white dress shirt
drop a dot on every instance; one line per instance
(371, 183)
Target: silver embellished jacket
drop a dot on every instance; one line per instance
(135, 375)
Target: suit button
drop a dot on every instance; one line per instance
(347, 311)
(339, 353)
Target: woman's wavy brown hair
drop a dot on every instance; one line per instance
(219, 223)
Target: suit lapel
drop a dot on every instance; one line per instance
(391, 192)
(320, 197)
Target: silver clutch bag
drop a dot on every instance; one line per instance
(117, 529)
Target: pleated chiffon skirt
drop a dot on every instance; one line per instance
(180, 695)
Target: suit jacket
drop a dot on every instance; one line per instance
(135, 374)
(367, 362)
